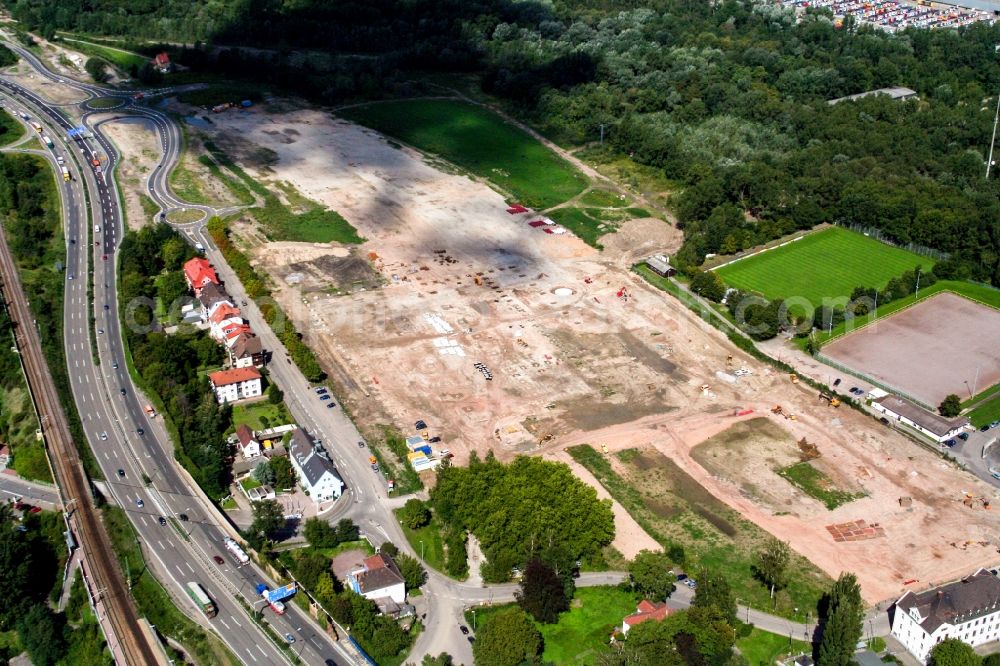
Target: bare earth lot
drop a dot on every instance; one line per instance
(929, 350)
(400, 321)
(140, 149)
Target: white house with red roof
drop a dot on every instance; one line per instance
(224, 319)
(245, 439)
(645, 611)
(198, 273)
(236, 384)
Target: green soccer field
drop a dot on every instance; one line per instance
(480, 141)
(828, 263)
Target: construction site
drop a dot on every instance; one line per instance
(459, 311)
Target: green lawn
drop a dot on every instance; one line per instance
(118, 57)
(480, 141)
(818, 485)
(986, 413)
(982, 395)
(252, 414)
(582, 632)
(581, 635)
(105, 103)
(762, 648)
(249, 483)
(585, 227)
(825, 264)
(433, 543)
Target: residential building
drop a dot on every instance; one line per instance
(923, 421)
(378, 577)
(224, 318)
(316, 472)
(260, 493)
(162, 63)
(236, 384)
(246, 351)
(198, 273)
(645, 611)
(968, 610)
(249, 446)
(660, 264)
(212, 296)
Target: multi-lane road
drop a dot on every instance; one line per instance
(126, 443)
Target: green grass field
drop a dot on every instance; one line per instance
(10, 129)
(254, 414)
(432, 547)
(581, 634)
(105, 103)
(118, 57)
(828, 263)
(986, 413)
(762, 648)
(479, 141)
(818, 485)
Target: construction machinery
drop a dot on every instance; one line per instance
(794, 378)
(729, 361)
(478, 280)
(974, 502)
(777, 409)
(832, 399)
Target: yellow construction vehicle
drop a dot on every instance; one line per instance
(777, 410)
(794, 378)
(478, 280)
(833, 400)
(729, 361)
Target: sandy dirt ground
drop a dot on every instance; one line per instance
(945, 344)
(51, 91)
(453, 280)
(139, 147)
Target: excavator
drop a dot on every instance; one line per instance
(833, 400)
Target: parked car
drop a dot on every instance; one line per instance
(984, 428)
(950, 443)
(183, 517)
(162, 520)
(464, 629)
(691, 582)
(857, 391)
(836, 382)
(324, 397)
(361, 445)
(321, 390)
(420, 425)
(964, 436)
(331, 405)
(218, 560)
(121, 474)
(682, 576)
(994, 424)
(883, 420)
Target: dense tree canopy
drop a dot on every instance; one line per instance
(953, 652)
(841, 623)
(520, 509)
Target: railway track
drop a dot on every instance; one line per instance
(93, 539)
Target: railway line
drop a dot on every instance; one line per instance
(83, 518)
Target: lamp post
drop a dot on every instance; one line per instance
(473, 619)
(421, 549)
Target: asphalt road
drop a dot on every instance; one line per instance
(28, 491)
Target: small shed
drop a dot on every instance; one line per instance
(660, 264)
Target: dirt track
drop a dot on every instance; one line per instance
(572, 362)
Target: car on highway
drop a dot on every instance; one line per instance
(121, 474)
(71, 276)
(100, 331)
(107, 307)
(139, 503)
(162, 520)
(104, 436)
(464, 629)
(361, 445)
(122, 390)
(471, 639)
(115, 365)
(72, 241)
(218, 560)
(104, 257)
(183, 517)
(140, 431)
(325, 397)
(289, 638)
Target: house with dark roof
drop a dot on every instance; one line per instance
(968, 609)
(378, 578)
(644, 612)
(925, 422)
(211, 297)
(317, 474)
(246, 351)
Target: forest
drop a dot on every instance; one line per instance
(728, 99)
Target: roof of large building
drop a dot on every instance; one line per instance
(198, 270)
(659, 263)
(224, 312)
(897, 92)
(927, 420)
(314, 463)
(380, 572)
(955, 603)
(233, 376)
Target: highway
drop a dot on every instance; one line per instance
(124, 438)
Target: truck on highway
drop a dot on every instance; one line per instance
(276, 596)
(48, 141)
(236, 551)
(150, 412)
(65, 174)
(200, 598)
(38, 128)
